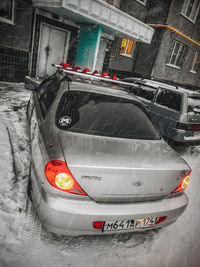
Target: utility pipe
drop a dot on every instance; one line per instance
(176, 31)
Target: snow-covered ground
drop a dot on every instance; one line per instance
(23, 243)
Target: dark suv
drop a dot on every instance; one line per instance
(174, 110)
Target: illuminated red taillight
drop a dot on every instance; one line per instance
(183, 184)
(160, 219)
(98, 225)
(60, 177)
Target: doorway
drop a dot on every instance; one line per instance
(53, 49)
(101, 55)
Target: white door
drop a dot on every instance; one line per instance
(101, 55)
(53, 49)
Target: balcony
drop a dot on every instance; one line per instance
(114, 21)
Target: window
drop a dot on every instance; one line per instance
(127, 47)
(143, 2)
(169, 99)
(147, 93)
(7, 11)
(195, 63)
(190, 9)
(176, 54)
(194, 105)
(47, 92)
(103, 115)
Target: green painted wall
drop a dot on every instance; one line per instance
(88, 46)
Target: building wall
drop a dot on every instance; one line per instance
(134, 9)
(142, 62)
(15, 43)
(156, 13)
(178, 21)
(19, 42)
(119, 64)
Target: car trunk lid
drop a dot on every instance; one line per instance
(122, 170)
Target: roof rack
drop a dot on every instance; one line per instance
(91, 75)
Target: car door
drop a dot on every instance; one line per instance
(43, 100)
(166, 111)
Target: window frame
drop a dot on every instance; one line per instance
(132, 49)
(195, 62)
(161, 90)
(138, 106)
(185, 9)
(142, 2)
(177, 54)
(9, 21)
(46, 83)
(141, 89)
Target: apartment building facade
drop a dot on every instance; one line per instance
(36, 33)
(174, 52)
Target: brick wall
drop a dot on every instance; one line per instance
(15, 43)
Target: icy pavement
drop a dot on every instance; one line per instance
(23, 243)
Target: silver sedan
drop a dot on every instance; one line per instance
(98, 164)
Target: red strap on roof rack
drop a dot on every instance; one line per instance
(86, 70)
(87, 74)
(65, 65)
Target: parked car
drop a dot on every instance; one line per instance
(98, 165)
(174, 110)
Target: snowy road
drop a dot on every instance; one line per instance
(176, 245)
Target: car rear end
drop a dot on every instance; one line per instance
(115, 175)
(189, 126)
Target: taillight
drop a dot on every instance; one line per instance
(187, 127)
(60, 177)
(183, 184)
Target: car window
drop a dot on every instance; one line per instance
(147, 93)
(47, 93)
(97, 114)
(169, 99)
(194, 105)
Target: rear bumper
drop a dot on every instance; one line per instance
(182, 136)
(76, 217)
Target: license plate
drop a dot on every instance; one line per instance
(129, 224)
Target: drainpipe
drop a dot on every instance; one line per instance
(176, 31)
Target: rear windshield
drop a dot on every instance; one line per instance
(103, 115)
(194, 105)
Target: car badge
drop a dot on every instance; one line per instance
(65, 121)
(137, 183)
